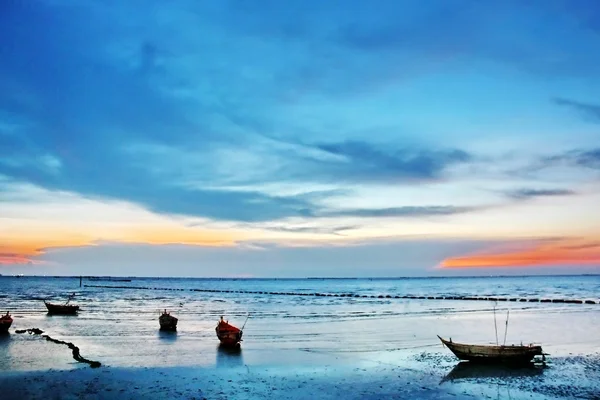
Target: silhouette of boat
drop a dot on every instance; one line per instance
(62, 309)
(466, 370)
(228, 334)
(494, 354)
(167, 322)
(5, 322)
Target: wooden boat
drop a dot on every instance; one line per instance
(61, 309)
(228, 335)
(167, 322)
(5, 322)
(494, 354)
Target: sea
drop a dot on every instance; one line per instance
(358, 321)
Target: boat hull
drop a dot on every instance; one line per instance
(5, 325)
(228, 335)
(167, 322)
(229, 338)
(60, 309)
(494, 354)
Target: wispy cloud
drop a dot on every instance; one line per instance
(578, 158)
(362, 161)
(523, 194)
(401, 212)
(591, 111)
(328, 230)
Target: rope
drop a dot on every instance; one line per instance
(75, 350)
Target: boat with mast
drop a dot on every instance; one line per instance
(167, 322)
(501, 354)
(62, 309)
(229, 335)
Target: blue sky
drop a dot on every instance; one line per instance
(454, 125)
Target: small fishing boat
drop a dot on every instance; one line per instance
(167, 322)
(62, 309)
(228, 335)
(5, 322)
(498, 354)
(494, 354)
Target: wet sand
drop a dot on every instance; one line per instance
(427, 375)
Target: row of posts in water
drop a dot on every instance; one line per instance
(364, 296)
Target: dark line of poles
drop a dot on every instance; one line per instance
(364, 296)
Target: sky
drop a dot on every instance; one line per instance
(299, 138)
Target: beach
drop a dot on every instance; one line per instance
(298, 347)
(435, 376)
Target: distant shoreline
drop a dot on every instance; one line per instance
(129, 277)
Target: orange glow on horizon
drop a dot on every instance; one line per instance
(8, 258)
(178, 235)
(559, 252)
(26, 250)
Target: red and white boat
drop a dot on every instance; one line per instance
(5, 322)
(228, 334)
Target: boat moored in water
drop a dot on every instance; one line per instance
(167, 322)
(5, 322)
(61, 309)
(228, 334)
(512, 354)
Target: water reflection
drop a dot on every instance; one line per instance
(167, 335)
(5, 341)
(57, 315)
(467, 370)
(229, 357)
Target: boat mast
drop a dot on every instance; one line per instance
(245, 322)
(506, 328)
(495, 325)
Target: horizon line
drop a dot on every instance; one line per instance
(297, 278)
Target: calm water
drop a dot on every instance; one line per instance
(119, 327)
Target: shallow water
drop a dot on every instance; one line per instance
(119, 327)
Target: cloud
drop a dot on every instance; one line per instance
(15, 259)
(583, 246)
(329, 229)
(532, 253)
(362, 161)
(401, 212)
(261, 259)
(591, 111)
(135, 116)
(448, 33)
(578, 158)
(523, 194)
(111, 102)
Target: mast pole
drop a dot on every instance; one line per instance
(506, 328)
(495, 325)
(245, 322)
